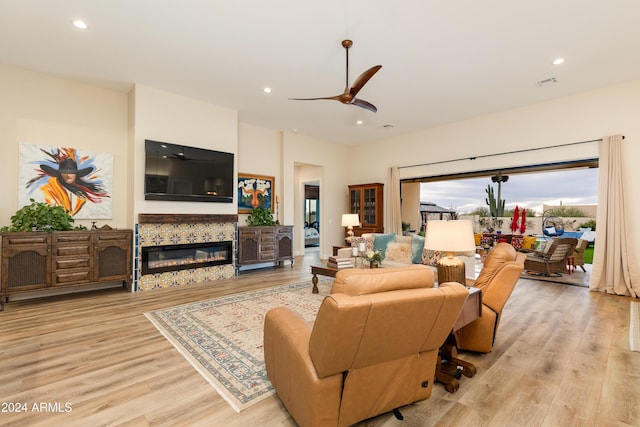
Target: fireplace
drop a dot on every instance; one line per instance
(158, 259)
(180, 249)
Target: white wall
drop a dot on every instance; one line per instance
(163, 116)
(42, 109)
(259, 154)
(586, 116)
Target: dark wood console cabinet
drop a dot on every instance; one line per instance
(264, 244)
(34, 261)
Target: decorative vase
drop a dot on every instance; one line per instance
(373, 264)
(487, 240)
(517, 241)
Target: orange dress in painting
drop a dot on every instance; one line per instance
(55, 194)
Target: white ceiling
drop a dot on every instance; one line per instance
(443, 61)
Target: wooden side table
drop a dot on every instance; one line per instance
(450, 368)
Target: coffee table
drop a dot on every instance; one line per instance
(325, 270)
(322, 270)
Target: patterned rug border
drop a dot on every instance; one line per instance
(207, 367)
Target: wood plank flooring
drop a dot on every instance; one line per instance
(561, 359)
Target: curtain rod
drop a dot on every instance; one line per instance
(501, 154)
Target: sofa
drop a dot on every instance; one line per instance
(402, 250)
(372, 348)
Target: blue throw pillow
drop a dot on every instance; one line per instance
(417, 246)
(380, 242)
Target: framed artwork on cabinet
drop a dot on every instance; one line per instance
(255, 191)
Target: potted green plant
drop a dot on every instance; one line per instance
(260, 216)
(40, 216)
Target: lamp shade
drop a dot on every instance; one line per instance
(450, 236)
(350, 220)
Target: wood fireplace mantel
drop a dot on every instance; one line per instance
(185, 218)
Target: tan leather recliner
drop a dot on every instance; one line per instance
(497, 279)
(366, 353)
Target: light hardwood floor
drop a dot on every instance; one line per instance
(561, 359)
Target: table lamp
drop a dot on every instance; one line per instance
(350, 221)
(450, 237)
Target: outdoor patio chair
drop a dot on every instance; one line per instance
(578, 254)
(553, 260)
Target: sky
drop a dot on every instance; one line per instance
(528, 191)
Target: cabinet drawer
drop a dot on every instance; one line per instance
(267, 256)
(62, 263)
(267, 247)
(113, 235)
(72, 276)
(72, 236)
(24, 239)
(68, 250)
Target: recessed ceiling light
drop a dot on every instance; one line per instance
(359, 122)
(80, 24)
(558, 61)
(267, 90)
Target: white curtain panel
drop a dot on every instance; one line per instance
(392, 214)
(615, 265)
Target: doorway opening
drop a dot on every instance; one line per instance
(311, 216)
(558, 197)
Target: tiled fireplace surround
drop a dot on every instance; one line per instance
(174, 229)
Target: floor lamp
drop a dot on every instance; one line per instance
(450, 237)
(350, 221)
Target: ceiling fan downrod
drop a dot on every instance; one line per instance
(347, 44)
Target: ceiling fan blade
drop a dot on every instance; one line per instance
(364, 104)
(363, 79)
(336, 98)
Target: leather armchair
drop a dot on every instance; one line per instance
(497, 279)
(366, 353)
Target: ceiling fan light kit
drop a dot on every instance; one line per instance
(349, 95)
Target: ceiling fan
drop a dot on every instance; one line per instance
(349, 94)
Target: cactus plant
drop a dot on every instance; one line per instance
(496, 206)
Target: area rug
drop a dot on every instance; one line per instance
(577, 278)
(634, 327)
(222, 338)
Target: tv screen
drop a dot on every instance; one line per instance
(181, 173)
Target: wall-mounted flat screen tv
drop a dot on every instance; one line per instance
(180, 173)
